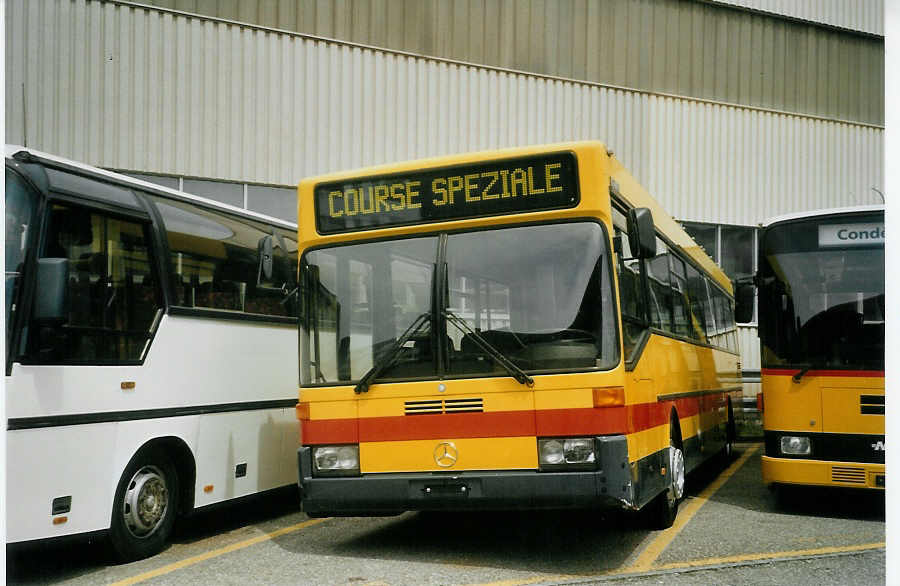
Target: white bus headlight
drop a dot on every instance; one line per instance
(567, 453)
(336, 460)
(796, 445)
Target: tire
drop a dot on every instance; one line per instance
(664, 507)
(145, 506)
(730, 436)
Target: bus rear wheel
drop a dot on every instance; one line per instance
(730, 436)
(145, 506)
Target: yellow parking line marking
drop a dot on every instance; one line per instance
(707, 563)
(217, 552)
(645, 561)
(526, 581)
(752, 557)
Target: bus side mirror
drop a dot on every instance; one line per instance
(641, 233)
(51, 302)
(743, 301)
(266, 251)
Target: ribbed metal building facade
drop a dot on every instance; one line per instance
(150, 90)
(147, 90)
(734, 52)
(864, 15)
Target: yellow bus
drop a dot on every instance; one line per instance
(517, 329)
(821, 329)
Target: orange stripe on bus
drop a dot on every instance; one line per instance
(544, 422)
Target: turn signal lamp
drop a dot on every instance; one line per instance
(302, 410)
(609, 397)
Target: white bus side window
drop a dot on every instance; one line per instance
(215, 261)
(112, 292)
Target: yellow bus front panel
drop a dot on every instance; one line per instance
(827, 428)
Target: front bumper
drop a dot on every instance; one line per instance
(822, 473)
(609, 486)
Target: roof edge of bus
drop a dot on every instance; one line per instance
(821, 213)
(460, 157)
(47, 158)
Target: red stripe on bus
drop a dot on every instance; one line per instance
(847, 373)
(446, 426)
(329, 431)
(588, 421)
(544, 422)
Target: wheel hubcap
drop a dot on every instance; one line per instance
(676, 464)
(146, 500)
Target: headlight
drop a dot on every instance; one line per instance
(567, 453)
(796, 445)
(336, 460)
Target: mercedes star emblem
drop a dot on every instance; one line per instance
(445, 454)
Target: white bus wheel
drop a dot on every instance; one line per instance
(145, 506)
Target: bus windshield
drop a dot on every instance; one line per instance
(822, 301)
(540, 295)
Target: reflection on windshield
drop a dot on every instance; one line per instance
(822, 308)
(540, 295)
(358, 300)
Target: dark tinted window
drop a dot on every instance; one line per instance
(660, 290)
(112, 291)
(631, 291)
(215, 261)
(699, 303)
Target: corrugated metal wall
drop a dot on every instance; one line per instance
(146, 90)
(688, 48)
(859, 15)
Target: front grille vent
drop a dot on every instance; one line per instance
(871, 404)
(847, 474)
(440, 406)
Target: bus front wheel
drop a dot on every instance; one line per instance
(145, 506)
(664, 508)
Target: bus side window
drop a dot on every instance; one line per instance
(215, 261)
(660, 288)
(112, 292)
(631, 297)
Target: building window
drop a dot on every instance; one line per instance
(272, 200)
(230, 193)
(278, 202)
(732, 247)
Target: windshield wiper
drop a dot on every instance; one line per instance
(388, 358)
(517, 373)
(806, 368)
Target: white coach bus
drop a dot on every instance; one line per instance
(147, 333)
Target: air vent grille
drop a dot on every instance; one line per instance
(440, 406)
(849, 475)
(871, 404)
